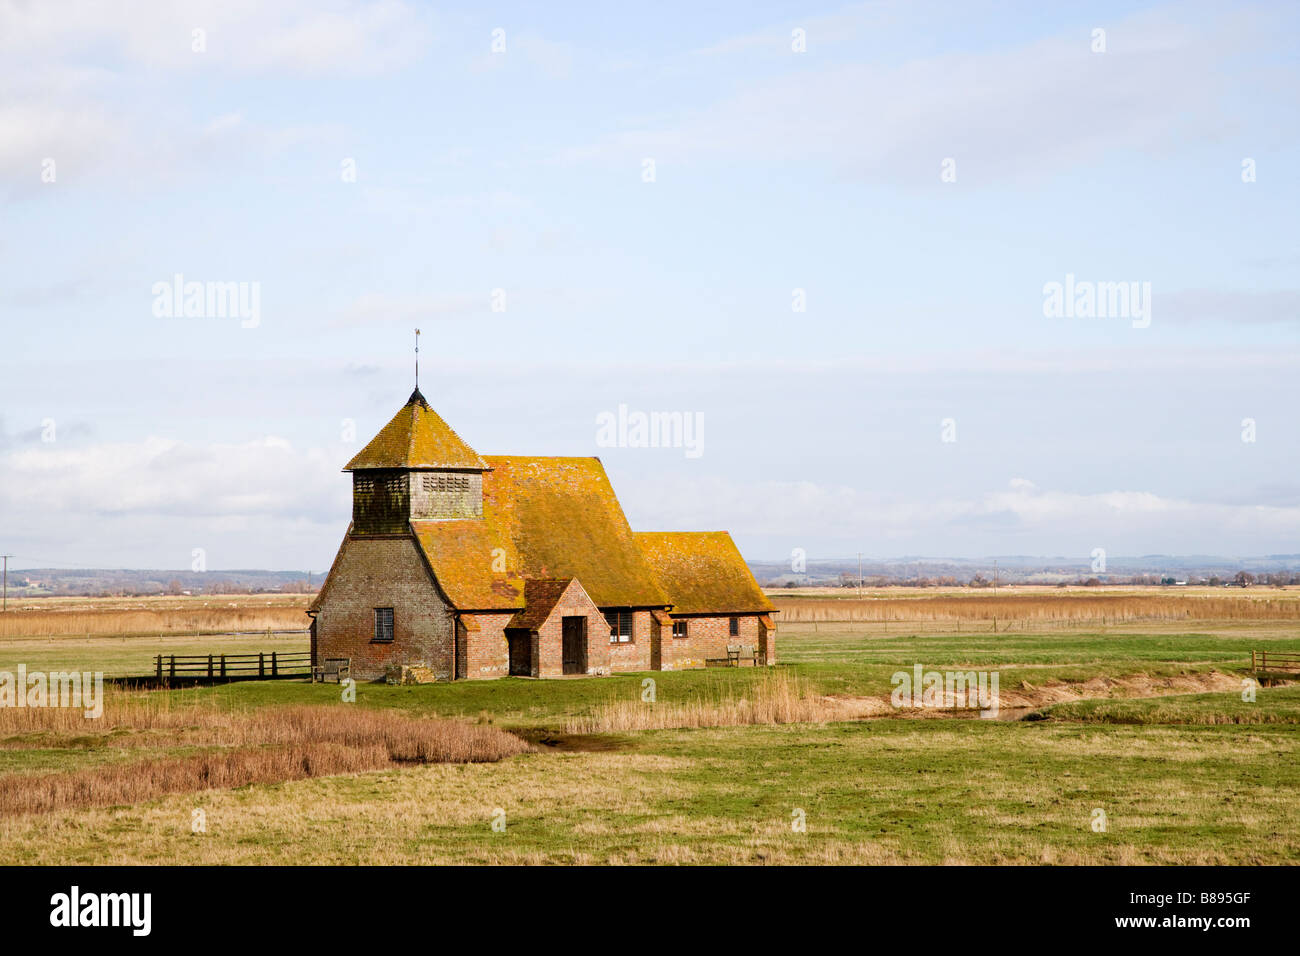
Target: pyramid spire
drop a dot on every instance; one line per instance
(417, 437)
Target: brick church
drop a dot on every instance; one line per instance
(478, 567)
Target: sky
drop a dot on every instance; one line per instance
(826, 235)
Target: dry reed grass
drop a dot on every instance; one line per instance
(776, 698)
(1074, 607)
(270, 745)
(58, 618)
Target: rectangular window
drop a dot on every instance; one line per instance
(679, 628)
(384, 625)
(735, 627)
(620, 626)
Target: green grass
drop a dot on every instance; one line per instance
(1272, 705)
(1192, 778)
(134, 655)
(878, 791)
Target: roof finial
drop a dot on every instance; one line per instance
(417, 360)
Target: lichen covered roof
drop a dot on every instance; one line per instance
(468, 557)
(544, 519)
(417, 437)
(702, 572)
(563, 521)
(540, 597)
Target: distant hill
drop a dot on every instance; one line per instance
(56, 582)
(1011, 569)
(1021, 569)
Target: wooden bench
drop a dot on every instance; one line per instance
(736, 655)
(337, 669)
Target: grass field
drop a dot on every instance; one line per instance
(1121, 726)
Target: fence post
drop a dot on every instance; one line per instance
(261, 663)
(274, 667)
(1252, 661)
(171, 671)
(223, 665)
(159, 662)
(1263, 660)
(209, 665)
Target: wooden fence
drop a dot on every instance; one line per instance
(1279, 660)
(194, 668)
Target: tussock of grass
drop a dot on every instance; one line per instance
(776, 698)
(266, 746)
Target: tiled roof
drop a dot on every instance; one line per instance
(540, 597)
(417, 437)
(702, 572)
(546, 519)
(563, 520)
(464, 554)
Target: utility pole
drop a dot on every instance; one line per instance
(4, 605)
(995, 574)
(859, 574)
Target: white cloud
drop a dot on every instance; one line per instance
(62, 482)
(1282, 305)
(1021, 518)
(309, 36)
(60, 106)
(1020, 112)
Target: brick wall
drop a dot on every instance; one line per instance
(384, 572)
(707, 638)
(486, 651)
(767, 642)
(633, 656)
(549, 660)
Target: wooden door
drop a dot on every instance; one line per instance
(574, 630)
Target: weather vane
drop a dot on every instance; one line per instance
(417, 358)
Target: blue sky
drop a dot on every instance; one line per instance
(523, 171)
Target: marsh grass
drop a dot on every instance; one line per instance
(775, 698)
(237, 749)
(54, 617)
(1046, 607)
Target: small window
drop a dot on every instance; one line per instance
(457, 483)
(620, 626)
(735, 627)
(679, 628)
(384, 625)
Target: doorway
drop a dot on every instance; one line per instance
(521, 654)
(574, 631)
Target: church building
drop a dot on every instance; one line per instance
(485, 566)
